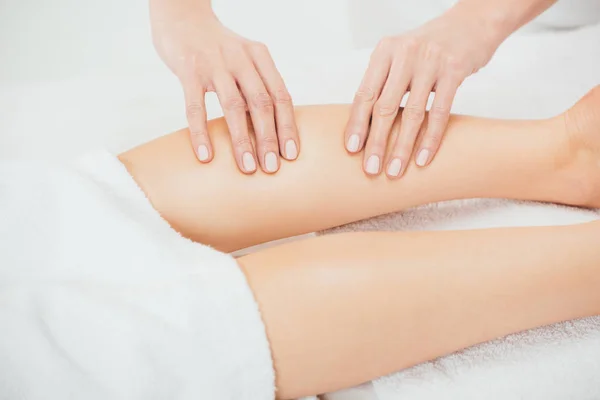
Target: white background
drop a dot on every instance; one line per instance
(78, 74)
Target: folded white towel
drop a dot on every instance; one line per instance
(557, 362)
(101, 299)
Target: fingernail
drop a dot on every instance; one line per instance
(423, 157)
(353, 142)
(291, 151)
(373, 165)
(271, 162)
(248, 161)
(202, 152)
(394, 167)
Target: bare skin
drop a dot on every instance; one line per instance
(345, 309)
(437, 56)
(531, 160)
(206, 56)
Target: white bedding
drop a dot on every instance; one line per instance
(531, 76)
(101, 299)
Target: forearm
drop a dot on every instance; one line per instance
(344, 309)
(500, 17)
(161, 10)
(325, 187)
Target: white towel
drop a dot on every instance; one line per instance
(558, 362)
(101, 299)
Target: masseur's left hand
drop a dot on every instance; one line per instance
(438, 56)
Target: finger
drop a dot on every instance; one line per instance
(261, 110)
(364, 100)
(414, 112)
(195, 112)
(285, 119)
(385, 111)
(437, 120)
(396, 166)
(234, 109)
(411, 120)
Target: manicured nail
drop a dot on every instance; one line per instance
(373, 165)
(248, 162)
(202, 152)
(423, 157)
(271, 161)
(353, 142)
(394, 167)
(291, 151)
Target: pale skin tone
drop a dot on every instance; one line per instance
(436, 57)
(344, 309)
(206, 56)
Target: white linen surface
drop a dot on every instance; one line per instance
(533, 75)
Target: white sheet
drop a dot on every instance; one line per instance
(531, 76)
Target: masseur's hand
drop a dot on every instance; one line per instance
(435, 57)
(206, 56)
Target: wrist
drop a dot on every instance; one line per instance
(166, 11)
(492, 23)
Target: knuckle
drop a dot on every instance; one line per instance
(236, 48)
(259, 47)
(364, 95)
(414, 113)
(242, 141)
(385, 43)
(454, 65)
(439, 113)
(410, 44)
(194, 110)
(282, 96)
(286, 130)
(234, 103)
(262, 101)
(433, 139)
(432, 51)
(385, 109)
(199, 134)
(269, 140)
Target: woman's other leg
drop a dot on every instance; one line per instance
(217, 205)
(344, 309)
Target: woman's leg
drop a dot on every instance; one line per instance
(343, 309)
(217, 205)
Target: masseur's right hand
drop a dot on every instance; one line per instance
(206, 57)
